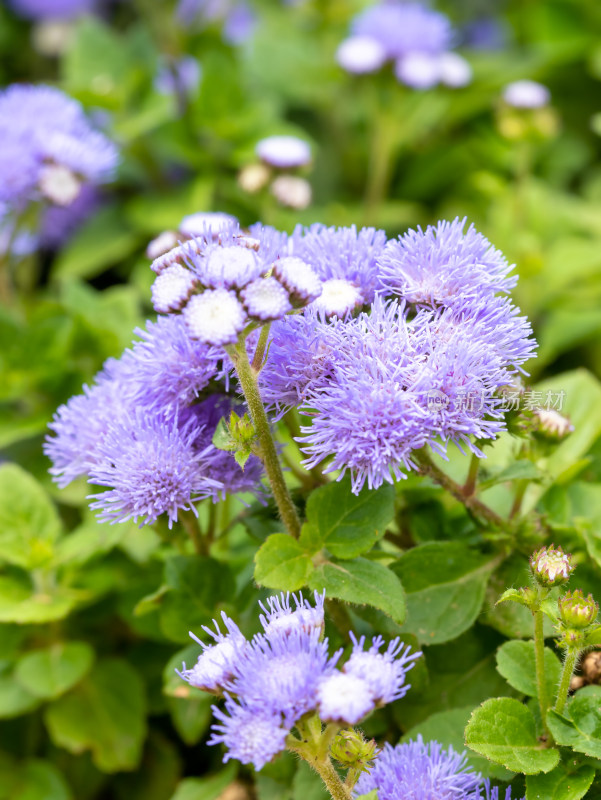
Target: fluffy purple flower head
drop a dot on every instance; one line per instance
(215, 317)
(298, 278)
(280, 616)
(385, 672)
(253, 736)
(230, 266)
(444, 265)
(403, 28)
(280, 671)
(488, 792)
(342, 254)
(344, 698)
(526, 94)
(360, 55)
(173, 288)
(266, 299)
(424, 771)
(49, 148)
(152, 467)
(215, 665)
(208, 224)
(59, 223)
(284, 152)
(51, 9)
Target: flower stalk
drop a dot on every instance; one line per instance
(566, 676)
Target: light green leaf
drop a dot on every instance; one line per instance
(105, 713)
(347, 524)
(581, 729)
(209, 788)
(51, 672)
(519, 470)
(446, 727)
(29, 524)
(19, 603)
(39, 780)
(515, 662)
(282, 563)
(445, 584)
(362, 582)
(560, 784)
(14, 699)
(504, 730)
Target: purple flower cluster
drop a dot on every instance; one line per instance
(52, 9)
(235, 16)
(144, 430)
(49, 150)
(424, 771)
(223, 281)
(416, 39)
(285, 672)
(424, 364)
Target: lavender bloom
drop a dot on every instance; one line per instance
(421, 770)
(236, 16)
(344, 698)
(385, 672)
(49, 149)
(403, 28)
(173, 288)
(153, 467)
(299, 279)
(492, 792)
(444, 265)
(281, 670)
(180, 78)
(208, 224)
(266, 299)
(253, 736)
(230, 267)
(215, 665)
(284, 152)
(526, 94)
(361, 55)
(51, 9)
(342, 254)
(215, 317)
(59, 223)
(292, 191)
(279, 616)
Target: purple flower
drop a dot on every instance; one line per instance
(59, 223)
(299, 279)
(181, 77)
(48, 147)
(208, 224)
(253, 736)
(424, 771)
(444, 265)
(236, 16)
(266, 299)
(215, 665)
(492, 792)
(279, 615)
(385, 672)
(344, 698)
(280, 672)
(153, 467)
(173, 288)
(215, 317)
(284, 152)
(51, 9)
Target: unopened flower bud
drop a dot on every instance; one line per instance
(571, 638)
(576, 610)
(552, 424)
(59, 184)
(551, 566)
(351, 749)
(254, 177)
(161, 244)
(292, 191)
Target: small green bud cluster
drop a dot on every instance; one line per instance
(238, 436)
(577, 615)
(350, 749)
(550, 566)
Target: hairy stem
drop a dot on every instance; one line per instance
(190, 524)
(566, 676)
(472, 476)
(259, 356)
(477, 507)
(266, 451)
(517, 500)
(539, 658)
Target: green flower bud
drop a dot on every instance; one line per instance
(551, 566)
(571, 638)
(576, 610)
(351, 749)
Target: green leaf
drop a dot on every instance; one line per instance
(373, 795)
(282, 563)
(14, 699)
(447, 728)
(362, 582)
(504, 730)
(347, 524)
(208, 788)
(593, 639)
(104, 240)
(307, 785)
(514, 596)
(518, 470)
(29, 524)
(105, 713)
(20, 603)
(39, 780)
(445, 584)
(581, 729)
(51, 672)
(191, 716)
(515, 662)
(560, 784)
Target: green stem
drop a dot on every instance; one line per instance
(259, 356)
(383, 146)
(517, 500)
(477, 507)
(190, 524)
(267, 450)
(539, 658)
(292, 423)
(472, 476)
(566, 676)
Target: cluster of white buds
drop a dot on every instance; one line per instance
(279, 157)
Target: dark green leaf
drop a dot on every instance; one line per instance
(282, 563)
(347, 524)
(581, 728)
(362, 582)
(504, 730)
(105, 713)
(39, 780)
(208, 788)
(445, 584)
(560, 784)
